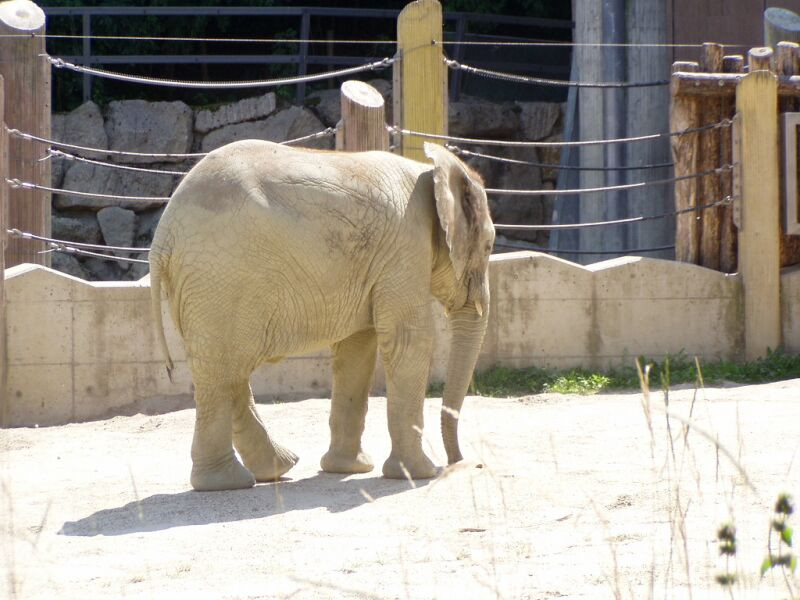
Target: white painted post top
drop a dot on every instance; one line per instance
(22, 15)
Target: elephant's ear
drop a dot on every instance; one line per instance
(460, 204)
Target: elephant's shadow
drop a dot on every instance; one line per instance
(165, 511)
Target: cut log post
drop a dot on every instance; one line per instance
(759, 240)
(780, 25)
(708, 160)
(27, 88)
(420, 78)
(3, 244)
(363, 124)
(728, 234)
(786, 59)
(760, 59)
(685, 114)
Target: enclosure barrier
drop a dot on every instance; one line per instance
(722, 308)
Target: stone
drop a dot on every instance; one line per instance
(58, 166)
(154, 127)
(475, 117)
(327, 105)
(287, 124)
(137, 270)
(248, 109)
(84, 127)
(86, 177)
(66, 263)
(538, 119)
(118, 226)
(148, 221)
(551, 155)
(98, 269)
(77, 228)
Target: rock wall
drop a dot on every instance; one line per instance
(175, 128)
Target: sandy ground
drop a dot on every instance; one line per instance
(559, 497)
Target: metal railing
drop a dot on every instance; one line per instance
(303, 58)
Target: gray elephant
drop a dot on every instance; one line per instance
(267, 251)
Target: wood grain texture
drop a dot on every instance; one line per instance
(728, 233)
(685, 114)
(786, 65)
(3, 242)
(27, 89)
(363, 124)
(423, 74)
(759, 240)
(709, 159)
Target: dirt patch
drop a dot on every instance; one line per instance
(560, 496)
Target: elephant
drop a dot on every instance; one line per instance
(266, 251)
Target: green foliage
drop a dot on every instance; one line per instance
(504, 381)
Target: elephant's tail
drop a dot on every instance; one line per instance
(155, 299)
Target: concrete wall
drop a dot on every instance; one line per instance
(81, 350)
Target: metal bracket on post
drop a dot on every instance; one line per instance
(736, 155)
(790, 122)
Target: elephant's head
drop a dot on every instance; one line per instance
(461, 280)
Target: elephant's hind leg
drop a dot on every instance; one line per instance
(353, 365)
(266, 459)
(214, 464)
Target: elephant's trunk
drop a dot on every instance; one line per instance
(468, 328)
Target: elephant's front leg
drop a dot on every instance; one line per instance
(265, 458)
(406, 347)
(353, 365)
(214, 464)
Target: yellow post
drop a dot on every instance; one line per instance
(420, 81)
(759, 241)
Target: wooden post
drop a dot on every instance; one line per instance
(709, 159)
(27, 85)
(420, 77)
(728, 236)
(780, 25)
(363, 124)
(787, 55)
(759, 241)
(3, 243)
(685, 114)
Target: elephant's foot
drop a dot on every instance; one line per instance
(418, 466)
(269, 465)
(227, 475)
(342, 462)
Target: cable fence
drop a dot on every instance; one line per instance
(57, 148)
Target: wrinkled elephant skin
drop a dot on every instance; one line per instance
(266, 251)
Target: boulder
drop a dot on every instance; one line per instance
(137, 270)
(84, 127)
(66, 263)
(86, 177)
(551, 155)
(77, 228)
(98, 269)
(287, 124)
(327, 105)
(475, 117)
(538, 119)
(248, 109)
(148, 221)
(58, 166)
(118, 225)
(154, 127)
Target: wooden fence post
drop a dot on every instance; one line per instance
(363, 124)
(27, 85)
(420, 76)
(3, 243)
(685, 114)
(728, 237)
(759, 234)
